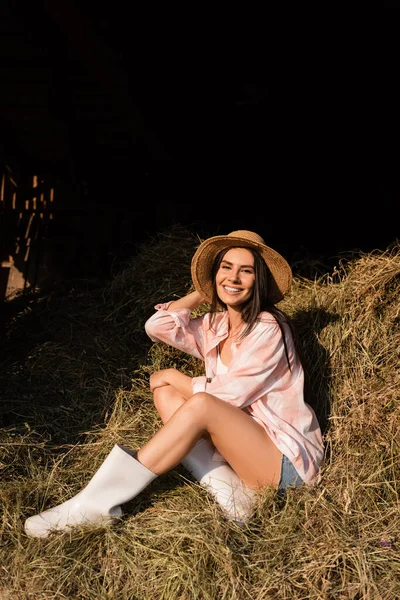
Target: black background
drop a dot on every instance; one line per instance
(116, 105)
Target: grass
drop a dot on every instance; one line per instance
(74, 381)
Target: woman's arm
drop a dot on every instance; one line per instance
(172, 323)
(190, 301)
(181, 382)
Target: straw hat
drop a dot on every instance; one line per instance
(203, 259)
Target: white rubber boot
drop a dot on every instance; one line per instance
(120, 478)
(235, 498)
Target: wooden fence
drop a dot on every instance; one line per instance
(26, 214)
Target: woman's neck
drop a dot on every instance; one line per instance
(235, 323)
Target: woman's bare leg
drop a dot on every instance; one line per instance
(167, 400)
(240, 439)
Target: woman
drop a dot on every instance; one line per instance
(243, 425)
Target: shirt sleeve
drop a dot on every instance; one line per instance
(177, 329)
(259, 365)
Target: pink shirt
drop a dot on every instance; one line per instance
(258, 378)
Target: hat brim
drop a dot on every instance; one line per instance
(280, 279)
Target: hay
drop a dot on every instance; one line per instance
(74, 381)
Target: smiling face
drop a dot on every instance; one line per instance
(235, 277)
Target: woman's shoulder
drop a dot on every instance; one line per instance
(218, 316)
(268, 324)
(267, 318)
(216, 322)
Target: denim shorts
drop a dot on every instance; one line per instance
(289, 476)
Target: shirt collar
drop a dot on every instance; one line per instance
(221, 324)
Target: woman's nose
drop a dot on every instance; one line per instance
(234, 275)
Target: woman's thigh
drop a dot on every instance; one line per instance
(242, 441)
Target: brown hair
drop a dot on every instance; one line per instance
(257, 303)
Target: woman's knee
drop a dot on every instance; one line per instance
(161, 395)
(200, 404)
(167, 401)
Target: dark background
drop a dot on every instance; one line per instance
(94, 100)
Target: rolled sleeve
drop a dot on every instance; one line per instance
(176, 328)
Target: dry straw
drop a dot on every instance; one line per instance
(74, 381)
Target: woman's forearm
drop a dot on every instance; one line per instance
(190, 301)
(180, 381)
